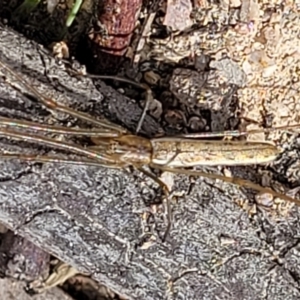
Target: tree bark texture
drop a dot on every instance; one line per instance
(91, 217)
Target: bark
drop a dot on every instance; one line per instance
(91, 217)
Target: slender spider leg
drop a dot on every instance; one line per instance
(149, 99)
(149, 94)
(76, 149)
(232, 180)
(172, 158)
(237, 133)
(121, 79)
(7, 122)
(53, 105)
(56, 159)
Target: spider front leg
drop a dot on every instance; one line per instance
(99, 157)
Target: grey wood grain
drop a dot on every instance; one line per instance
(91, 217)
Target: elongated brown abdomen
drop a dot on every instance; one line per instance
(178, 152)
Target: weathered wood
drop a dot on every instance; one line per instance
(91, 217)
